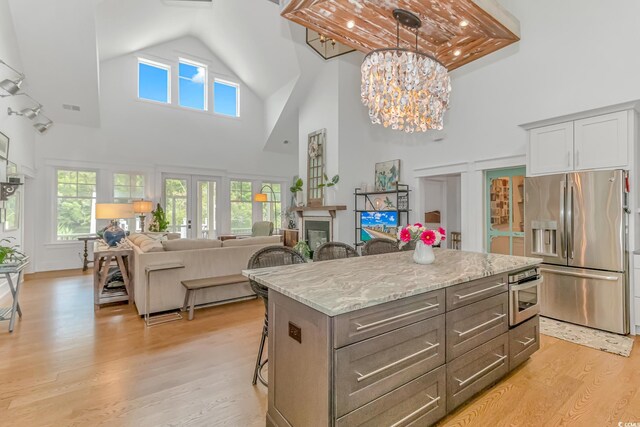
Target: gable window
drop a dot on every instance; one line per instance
(226, 98)
(193, 84)
(241, 207)
(76, 202)
(154, 81)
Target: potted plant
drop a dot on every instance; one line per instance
(295, 189)
(330, 192)
(425, 240)
(302, 247)
(159, 221)
(9, 253)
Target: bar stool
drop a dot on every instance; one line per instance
(271, 256)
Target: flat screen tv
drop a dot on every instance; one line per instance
(382, 224)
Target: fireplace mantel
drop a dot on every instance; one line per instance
(331, 209)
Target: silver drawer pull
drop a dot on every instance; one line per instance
(416, 412)
(482, 325)
(527, 342)
(362, 377)
(481, 291)
(580, 275)
(360, 327)
(501, 359)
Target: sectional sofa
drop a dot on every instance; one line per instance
(201, 258)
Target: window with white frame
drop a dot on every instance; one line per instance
(241, 207)
(154, 81)
(128, 187)
(272, 208)
(226, 98)
(75, 203)
(192, 85)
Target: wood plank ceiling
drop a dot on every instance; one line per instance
(455, 32)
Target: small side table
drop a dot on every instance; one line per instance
(160, 318)
(290, 237)
(9, 313)
(85, 253)
(103, 255)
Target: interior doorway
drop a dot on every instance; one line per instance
(441, 206)
(505, 211)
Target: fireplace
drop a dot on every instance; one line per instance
(317, 230)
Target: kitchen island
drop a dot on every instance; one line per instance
(380, 340)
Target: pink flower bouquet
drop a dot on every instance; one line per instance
(418, 232)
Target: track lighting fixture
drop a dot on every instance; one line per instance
(43, 127)
(11, 86)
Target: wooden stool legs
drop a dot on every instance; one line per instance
(189, 301)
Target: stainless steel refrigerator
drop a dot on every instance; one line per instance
(577, 224)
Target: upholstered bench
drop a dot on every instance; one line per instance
(208, 282)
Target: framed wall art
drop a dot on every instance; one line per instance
(387, 175)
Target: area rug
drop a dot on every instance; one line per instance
(600, 340)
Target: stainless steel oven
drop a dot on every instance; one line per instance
(524, 295)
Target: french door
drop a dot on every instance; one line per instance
(190, 203)
(505, 211)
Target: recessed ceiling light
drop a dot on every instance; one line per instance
(351, 24)
(464, 23)
(457, 52)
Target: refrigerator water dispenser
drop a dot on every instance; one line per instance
(544, 238)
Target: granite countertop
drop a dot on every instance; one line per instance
(345, 285)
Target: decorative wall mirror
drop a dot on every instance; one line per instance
(315, 167)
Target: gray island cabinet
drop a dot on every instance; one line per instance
(382, 341)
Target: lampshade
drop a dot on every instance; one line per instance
(114, 210)
(142, 206)
(260, 197)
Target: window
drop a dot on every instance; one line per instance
(272, 208)
(76, 201)
(154, 81)
(226, 98)
(127, 187)
(241, 207)
(175, 200)
(193, 84)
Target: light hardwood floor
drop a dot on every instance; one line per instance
(66, 365)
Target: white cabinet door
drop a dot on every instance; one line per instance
(602, 141)
(550, 149)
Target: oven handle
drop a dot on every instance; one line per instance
(526, 285)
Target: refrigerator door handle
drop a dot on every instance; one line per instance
(569, 223)
(563, 198)
(580, 275)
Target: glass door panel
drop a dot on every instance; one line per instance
(176, 198)
(505, 211)
(206, 209)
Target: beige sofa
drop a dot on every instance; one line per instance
(201, 258)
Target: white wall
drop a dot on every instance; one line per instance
(152, 138)
(574, 55)
(18, 129)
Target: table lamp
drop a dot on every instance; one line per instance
(113, 234)
(142, 207)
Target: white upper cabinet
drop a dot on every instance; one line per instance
(598, 142)
(602, 141)
(550, 149)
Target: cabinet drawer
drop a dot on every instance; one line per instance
(524, 340)
(476, 370)
(368, 369)
(475, 324)
(468, 293)
(369, 322)
(421, 402)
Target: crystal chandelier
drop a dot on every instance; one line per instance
(403, 88)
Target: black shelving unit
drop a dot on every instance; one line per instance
(401, 195)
